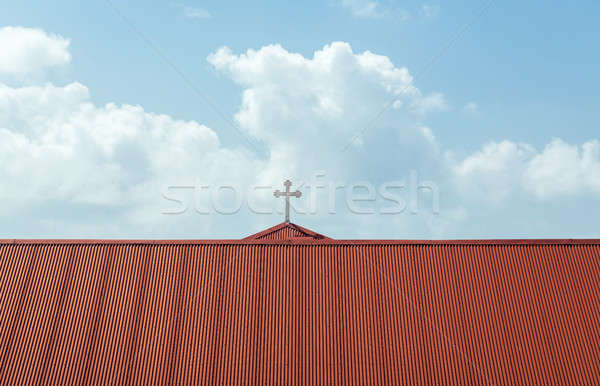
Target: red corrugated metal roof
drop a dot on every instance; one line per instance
(286, 231)
(325, 311)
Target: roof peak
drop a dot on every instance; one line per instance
(286, 231)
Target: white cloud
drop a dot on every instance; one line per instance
(430, 11)
(471, 108)
(196, 13)
(564, 169)
(87, 168)
(501, 169)
(58, 146)
(68, 158)
(307, 109)
(364, 8)
(62, 157)
(428, 133)
(315, 102)
(30, 50)
(372, 9)
(430, 103)
(494, 171)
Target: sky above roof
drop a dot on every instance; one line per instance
(394, 119)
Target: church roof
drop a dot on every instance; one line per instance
(287, 231)
(288, 305)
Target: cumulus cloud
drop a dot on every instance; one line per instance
(564, 169)
(58, 146)
(67, 157)
(67, 161)
(308, 109)
(64, 159)
(500, 169)
(312, 103)
(31, 50)
(494, 171)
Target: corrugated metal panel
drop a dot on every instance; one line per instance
(286, 231)
(307, 313)
(282, 234)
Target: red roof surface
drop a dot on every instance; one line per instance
(287, 231)
(300, 310)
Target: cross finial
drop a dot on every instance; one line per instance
(287, 194)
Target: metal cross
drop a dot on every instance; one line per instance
(287, 194)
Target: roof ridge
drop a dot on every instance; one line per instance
(282, 227)
(310, 241)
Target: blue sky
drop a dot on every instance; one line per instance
(511, 112)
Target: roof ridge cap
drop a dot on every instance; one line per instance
(286, 225)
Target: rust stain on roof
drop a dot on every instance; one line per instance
(314, 312)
